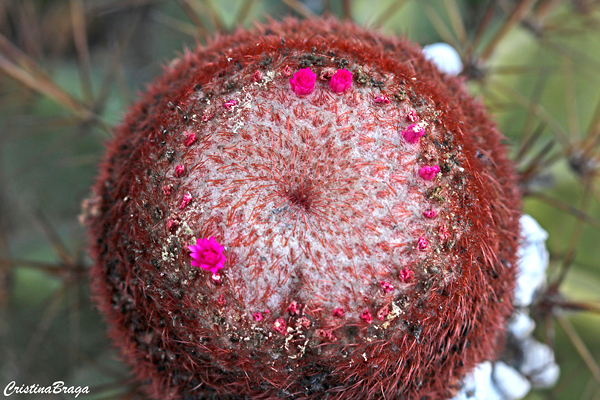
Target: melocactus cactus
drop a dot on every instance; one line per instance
(308, 210)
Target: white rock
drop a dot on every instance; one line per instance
(533, 261)
(521, 325)
(547, 378)
(538, 363)
(510, 382)
(445, 57)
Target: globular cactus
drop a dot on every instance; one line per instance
(307, 210)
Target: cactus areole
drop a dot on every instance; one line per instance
(308, 210)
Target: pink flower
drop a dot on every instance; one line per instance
(366, 315)
(257, 316)
(422, 243)
(413, 133)
(338, 312)
(179, 170)
(428, 172)
(207, 254)
(341, 81)
(386, 286)
(405, 274)
(303, 81)
(190, 138)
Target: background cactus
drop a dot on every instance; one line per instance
(528, 53)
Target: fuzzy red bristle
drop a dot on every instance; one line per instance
(338, 279)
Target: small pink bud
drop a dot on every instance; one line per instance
(326, 74)
(413, 133)
(382, 313)
(280, 326)
(386, 286)
(383, 99)
(294, 308)
(341, 81)
(167, 190)
(207, 116)
(430, 213)
(257, 316)
(303, 322)
(338, 312)
(190, 138)
(412, 116)
(216, 278)
(428, 172)
(172, 224)
(287, 71)
(230, 104)
(221, 301)
(303, 82)
(179, 170)
(366, 315)
(422, 243)
(257, 76)
(405, 274)
(187, 198)
(326, 334)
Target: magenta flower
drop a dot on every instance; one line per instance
(303, 81)
(413, 133)
(428, 172)
(341, 81)
(207, 254)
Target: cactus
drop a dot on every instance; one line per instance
(302, 215)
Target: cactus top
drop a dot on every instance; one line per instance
(306, 209)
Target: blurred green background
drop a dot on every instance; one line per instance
(69, 69)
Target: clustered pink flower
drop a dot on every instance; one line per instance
(341, 81)
(413, 133)
(428, 172)
(207, 254)
(303, 81)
